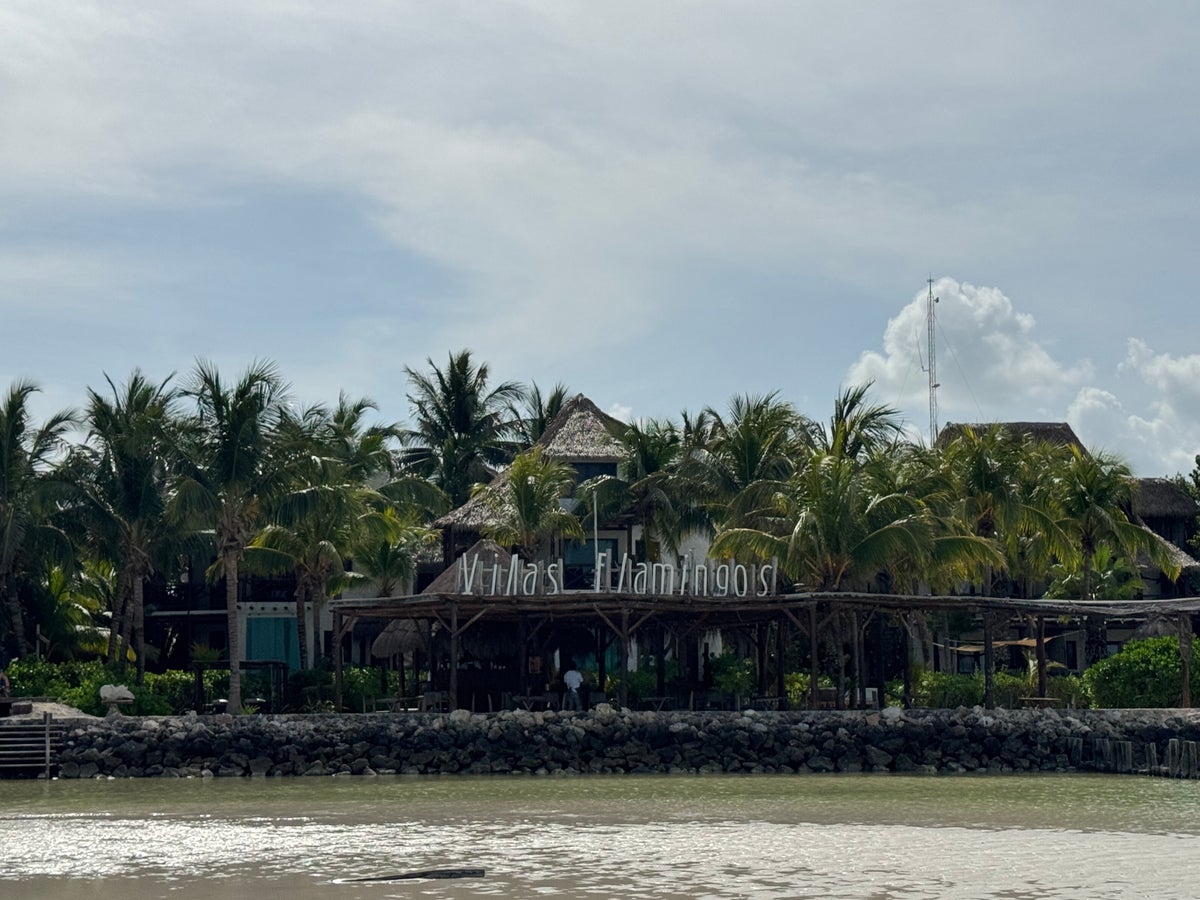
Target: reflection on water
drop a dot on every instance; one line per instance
(878, 837)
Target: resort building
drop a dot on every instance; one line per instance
(488, 628)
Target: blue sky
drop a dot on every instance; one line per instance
(660, 205)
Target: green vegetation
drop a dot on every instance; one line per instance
(214, 478)
(173, 692)
(1146, 673)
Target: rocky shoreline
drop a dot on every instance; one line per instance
(615, 741)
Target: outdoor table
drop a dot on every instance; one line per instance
(657, 703)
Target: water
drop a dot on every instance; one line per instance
(871, 837)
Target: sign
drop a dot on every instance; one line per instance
(708, 578)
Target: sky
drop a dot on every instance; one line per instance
(661, 205)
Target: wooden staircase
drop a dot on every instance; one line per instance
(29, 748)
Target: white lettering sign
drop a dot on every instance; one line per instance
(516, 578)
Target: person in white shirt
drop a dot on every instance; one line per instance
(573, 679)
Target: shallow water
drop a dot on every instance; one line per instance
(877, 837)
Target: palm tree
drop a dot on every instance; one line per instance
(857, 428)
(535, 411)
(391, 560)
(331, 460)
(230, 472)
(71, 603)
(841, 522)
(123, 495)
(363, 448)
(462, 427)
(747, 454)
(1002, 497)
(311, 536)
(525, 504)
(1092, 492)
(646, 487)
(28, 454)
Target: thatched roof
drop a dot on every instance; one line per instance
(486, 550)
(579, 433)
(582, 433)
(401, 636)
(476, 512)
(1163, 498)
(1182, 559)
(1051, 432)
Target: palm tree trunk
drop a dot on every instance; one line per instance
(318, 602)
(1095, 627)
(125, 624)
(139, 627)
(301, 626)
(229, 564)
(116, 623)
(15, 617)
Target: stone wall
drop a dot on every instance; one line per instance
(607, 740)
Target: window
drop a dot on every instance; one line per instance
(586, 470)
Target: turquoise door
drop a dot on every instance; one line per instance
(273, 639)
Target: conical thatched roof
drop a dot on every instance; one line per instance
(1051, 432)
(582, 433)
(1163, 498)
(401, 636)
(486, 550)
(579, 433)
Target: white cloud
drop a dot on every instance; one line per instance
(990, 363)
(621, 412)
(1169, 429)
(1176, 376)
(581, 176)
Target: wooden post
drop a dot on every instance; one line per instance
(839, 625)
(908, 685)
(856, 660)
(1040, 625)
(1185, 659)
(624, 656)
(46, 731)
(337, 660)
(660, 665)
(780, 648)
(989, 700)
(814, 651)
(453, 655)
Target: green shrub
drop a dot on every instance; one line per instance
(947, 690)
(795, 686)
(733, 675)
(1071, 690)
(1146, 673)
(638, 684)
(32, 677)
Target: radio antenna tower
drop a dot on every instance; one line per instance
(933, 382)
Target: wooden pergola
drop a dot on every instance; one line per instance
(623, 614)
